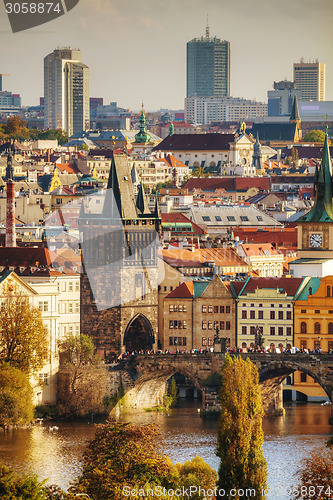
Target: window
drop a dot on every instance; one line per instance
(328, 291)
(184, 324)
(303, 311)
(260, 305)
(288, 331)
(70, 307)
(252, 330)
(221, 309)
(43, 379)
(280, 305)
(70, 286)
(244, 314)
(210, 325)
(184, 340)
(171, 308)
(303, 344)
(272, 315)
(317, 311)
(216, 324)
(252, 315)
(272, 305)
(204, 341)
(260, 314)
(316, 344)
(210, 309)
(204, 325)
(184, 309)
(227, 325)
(210, 341)
(170, 340)
(259, 217)
(227, 309)
(180, 308)
(304, 327)
(330, 345)
(218, 218)
(70, 329)
(317, 328)
(216, 309)
(244, 218)
(43, 306)
(221, 325)
(204, 309)
(77, 286)
(231, 218)
(206, 218)
(171, 324)
(303, 377)
(272, 330)
(164, 288)
(330, 328)
(288, 314)
(280, 330)
(280, 314)
(244, 330)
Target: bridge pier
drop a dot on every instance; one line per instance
(272, 398)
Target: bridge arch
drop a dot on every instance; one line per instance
(139, 334)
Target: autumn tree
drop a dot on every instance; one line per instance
(16, 406)
(315, 474)
(123, 455)
(240, 435)
(23, 339)
(314, 136)
(15, 128)
(197, 473)
(82, 379)
(13, 486)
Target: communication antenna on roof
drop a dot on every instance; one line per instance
(207, 28)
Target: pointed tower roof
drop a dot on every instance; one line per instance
(322, 211)
(141, 201)
(119, 198)
(171, 129)
(142, 136)
(294, 115)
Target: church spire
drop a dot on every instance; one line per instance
(171, 129)
(142, 136)
(322, 211)
(294, 115)
(141, 201)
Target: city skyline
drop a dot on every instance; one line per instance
(137, 51)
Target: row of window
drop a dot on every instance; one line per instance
(65, 307)
(72, 286)
(273, 330)
(177, 308)
(216, 309)
(222, 325)
(177, 324)
(317, 311)
(261, 305)
(272, 315)
(317, 328)
(304, 344)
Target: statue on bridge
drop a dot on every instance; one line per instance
(220, 344)
(258, 339)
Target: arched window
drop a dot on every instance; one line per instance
(303, 327)
(330, 328)
(328, 291)
(317, 328)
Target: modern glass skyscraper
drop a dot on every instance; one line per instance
(310, 80)
(66, 91)
(208, 67)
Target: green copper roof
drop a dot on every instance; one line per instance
(199, 287)
(312, 284)
(142, 136)
(322, 211)
(171, 129)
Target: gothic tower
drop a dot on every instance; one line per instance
(119, 239)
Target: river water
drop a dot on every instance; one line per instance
(55, 454)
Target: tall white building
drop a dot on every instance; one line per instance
(309, 78)
(66, 91)
(203, 110)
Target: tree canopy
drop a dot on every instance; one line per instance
(82, 380)
(240, 435)
(316, 473)
(24, 487)
(16, 128)
(16, 406)
(23, 339)
(314, 136)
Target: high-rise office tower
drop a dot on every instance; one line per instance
(66, 91)
(208, 67)
(309, 78)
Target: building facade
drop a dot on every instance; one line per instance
(309, 78)
(66, 91)
(208, 67)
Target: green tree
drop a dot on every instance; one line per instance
(198, 172)
(14, 487)
(82, 379)
(16, 406)
(315, 474)
(23, 339)
(240, 435)
(123, 455)
(172, 396)
(314, 136)
(60, 135)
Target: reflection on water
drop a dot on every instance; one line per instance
(55, 455)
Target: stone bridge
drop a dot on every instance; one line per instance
(150, 373)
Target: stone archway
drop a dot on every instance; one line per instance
(139, 335)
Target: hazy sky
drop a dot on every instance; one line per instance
(137, 49)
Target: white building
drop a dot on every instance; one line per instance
(203, 110)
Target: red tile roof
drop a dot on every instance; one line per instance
(210, 183)
(69, 168)
(288, 285)
(178, 218)
(185, 290)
